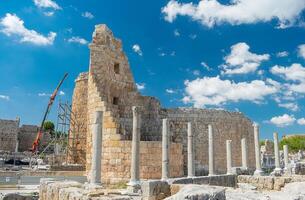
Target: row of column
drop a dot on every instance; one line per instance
(135, 157)
(95, 176)
(190, 151)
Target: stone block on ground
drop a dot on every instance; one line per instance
(200, 192)
(155, 190)
(183, 180)
(15, 196)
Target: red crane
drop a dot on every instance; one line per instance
(51, 101)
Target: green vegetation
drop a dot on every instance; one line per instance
(295, 143)
(262, 143)
(49, 126)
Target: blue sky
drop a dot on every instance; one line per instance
(242, 55)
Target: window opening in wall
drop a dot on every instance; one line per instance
(116, 68)
(115, 101)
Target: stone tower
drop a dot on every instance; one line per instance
(109, 87)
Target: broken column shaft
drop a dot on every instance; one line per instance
(286, 159)
(135, 149)
(190, 151)
(165, 149)
(229, 156)
(244, 153)
(211, 150)
(96, 148)
(258, 170)
(276, 153)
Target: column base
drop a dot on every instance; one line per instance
(93, 186)
(134, 187)
(277, 172)
(258, 173)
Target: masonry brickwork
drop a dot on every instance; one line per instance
(78, 126)
(26, 136)
(9, 134)
(109, 87)
(13, 136)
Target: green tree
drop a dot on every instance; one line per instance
(49, 127)
(295, 143)
(262, 143)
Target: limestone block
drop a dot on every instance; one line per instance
(155, 190)
(280, 182)
(199, 192)
(182, 180)
(67, 193)
(15, 196)
(44, 182)
(53, 188)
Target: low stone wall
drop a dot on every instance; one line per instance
(216, 180)
(156, 189)
(8, 134)
(117, 158)
(269, 182)
(50, 189)
(72, 190)
(41, 173)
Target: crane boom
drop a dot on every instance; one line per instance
(51, 101)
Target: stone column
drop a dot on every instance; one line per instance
(190, 151)
(229, 156)
(258, 170)
(276, 153)
(165, 150)
(286, 160)
(211, 151)
(97, 128)
(17, 146)
(244, 153)
(135, 149)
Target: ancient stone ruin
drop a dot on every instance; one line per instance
(16, 138)
(109, 87)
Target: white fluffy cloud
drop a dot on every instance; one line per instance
(290, 106)
(295, 72)
(88, 15)
(47, 4)
(77, 40)
(214, 91)
(206, 66)
(4, 97)
(176, 33)
(212, 12)
(301, 50)
(61, 93)
(241, 60)
(170, 91)
(282, 54)
(301, 121)
(284, 120)
(140, 86)
(137, 49)
(12, 25)
(43, 94)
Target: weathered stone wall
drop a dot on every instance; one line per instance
(269, 182)
(226, 126)
(116, 159)
(27, 135)
(8, 134)
(78, 125)
(111, 89)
